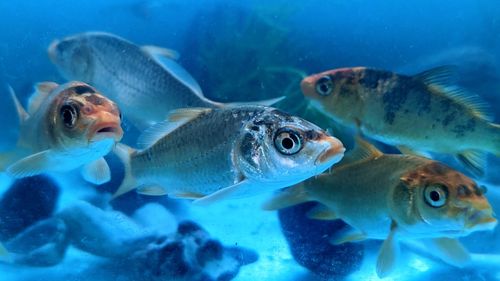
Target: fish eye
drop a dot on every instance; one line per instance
(288, 142)
(436, 195)
(324, 86)
(69, 115)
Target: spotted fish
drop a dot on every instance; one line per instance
(416, 113)
(395, 198)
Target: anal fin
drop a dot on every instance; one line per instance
(96, 172)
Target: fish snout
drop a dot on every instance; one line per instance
(480, 218)
(307, 86)
(107, 125)
(333, 152)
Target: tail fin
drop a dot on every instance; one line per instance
(129, 183)
(288, 197)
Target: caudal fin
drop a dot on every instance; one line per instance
(129, 183)
(288, 197)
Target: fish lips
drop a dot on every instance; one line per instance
(105, 130)
(479, 220)
(333, 153)
(307, 86)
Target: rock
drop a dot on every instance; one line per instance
(308, 241)
(191, 254)
(42, 244)
(108, 234)
(26, 202)
(155, 216)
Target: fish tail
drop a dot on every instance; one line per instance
(288, 197)
(129, 182)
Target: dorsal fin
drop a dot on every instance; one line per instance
(440, 80)
(168, 53)
(42, 91)
(21, 112)
(175, 70)
(439, 76)
(175, 119)
(362, 150)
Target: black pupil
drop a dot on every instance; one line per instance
(434, 196)
(287, 143)
(324, 87)
(68, 115)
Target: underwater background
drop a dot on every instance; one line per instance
(244, 51)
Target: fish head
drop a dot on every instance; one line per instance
(335, 92)
(80, 115)
(448, 203)
(73, 57)
(281, 150)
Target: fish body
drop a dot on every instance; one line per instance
(146, 81)
(65, 127)
(236, 151)
(393, 198)
(415, 113)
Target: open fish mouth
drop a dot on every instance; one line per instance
(333, 153)
(106, 130)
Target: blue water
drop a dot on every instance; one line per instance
(214, 37)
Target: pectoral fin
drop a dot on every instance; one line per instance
(232, 191)
(474, 160)
(389, 254)
(96, 172)
(321, 212)
(34, 164)
(287, 197)
(348, 234)
(451, 251)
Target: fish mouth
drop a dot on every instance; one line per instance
(481, 220)
(106, 130)
(333, 153)
(52, 51)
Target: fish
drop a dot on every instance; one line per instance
(64, 127)
(145, 81)
(420, 113)
(210, 154)
(395, 197)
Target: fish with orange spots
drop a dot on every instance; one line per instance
(416, 113)
(65, 127)
(395, 198)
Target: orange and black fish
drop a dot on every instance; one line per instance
(415, 113)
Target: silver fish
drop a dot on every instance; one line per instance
(212, 154)
(145, 81)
